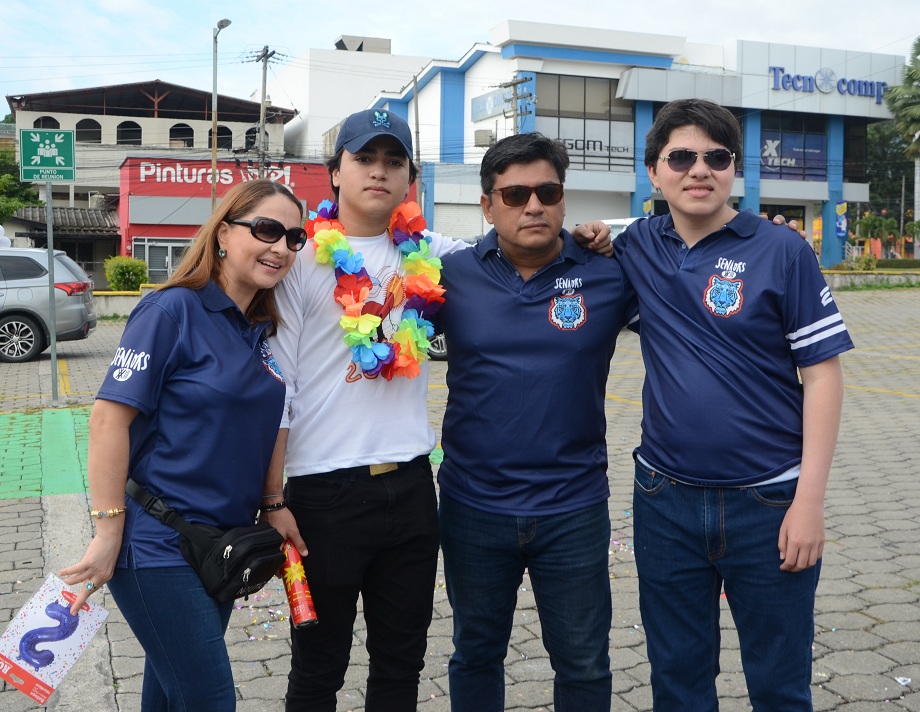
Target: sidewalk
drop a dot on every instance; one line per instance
(868, 610)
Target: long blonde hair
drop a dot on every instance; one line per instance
(201, 262)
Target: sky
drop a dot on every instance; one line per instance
(69, 44)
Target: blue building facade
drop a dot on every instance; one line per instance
(803, 111)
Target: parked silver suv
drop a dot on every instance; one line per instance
(24, 313)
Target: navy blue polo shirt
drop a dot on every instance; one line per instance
(210, 397)
(524, 432)
(724, 327)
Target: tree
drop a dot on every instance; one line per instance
(13, 193)
(886, 167)
(869, 226)
(903, 102)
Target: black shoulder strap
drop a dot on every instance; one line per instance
(159, 509)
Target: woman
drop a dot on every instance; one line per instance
(190, 409)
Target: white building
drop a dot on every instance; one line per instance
(326, 85)
(155, 120)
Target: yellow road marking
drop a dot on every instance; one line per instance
(618, 399)
(63, 377)
(883, 390)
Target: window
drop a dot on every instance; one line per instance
(129, 134)
(793, 146)
(855, 150)
(88, 131)
(572, 97)
(161, 255)
(547, 95)
(181, 136)
(597, 98)
(79, 253)
(224, 138)
(581, 97)
(46, 122)
(596, 127)
(13, 268)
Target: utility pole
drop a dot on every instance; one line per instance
(263, 143)
(222, 25)
(418, 146)
(903, 183)
(515, 98)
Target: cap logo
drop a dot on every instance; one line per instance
(381, 118)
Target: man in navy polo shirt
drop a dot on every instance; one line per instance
(735, 453)
(532, 322)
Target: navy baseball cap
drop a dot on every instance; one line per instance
(363, 126)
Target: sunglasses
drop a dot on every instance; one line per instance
(514, 196)
(681, 160)
(268, 230)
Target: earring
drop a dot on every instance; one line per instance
(221, 252)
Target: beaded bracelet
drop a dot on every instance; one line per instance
(100, 513)
(273, 507)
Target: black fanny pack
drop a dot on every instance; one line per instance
(231, 564)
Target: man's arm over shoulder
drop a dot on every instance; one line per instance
(442, 245)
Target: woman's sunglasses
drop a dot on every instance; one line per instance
(681, 160)
(268, 230)
(514, 196)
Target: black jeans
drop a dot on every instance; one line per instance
(377, 536)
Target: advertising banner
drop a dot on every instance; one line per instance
(843, 227)
(44, 640)
(793, 155)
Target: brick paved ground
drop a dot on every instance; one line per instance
(867, 647)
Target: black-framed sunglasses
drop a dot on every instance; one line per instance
(514, 196)
(681, 160)
(270, 231)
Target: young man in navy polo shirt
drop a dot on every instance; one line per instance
(735, 453)
(532, 320)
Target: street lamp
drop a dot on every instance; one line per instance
(220, 25)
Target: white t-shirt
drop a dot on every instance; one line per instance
(337, 416)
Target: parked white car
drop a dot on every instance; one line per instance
(618, 225)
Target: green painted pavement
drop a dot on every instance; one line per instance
(43, 453)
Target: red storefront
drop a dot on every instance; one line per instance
(164, 200)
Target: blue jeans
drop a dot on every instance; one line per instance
(689, 542)
(484, 560)
(181, 629)
(375, 536)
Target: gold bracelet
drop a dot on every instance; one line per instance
(100, 513)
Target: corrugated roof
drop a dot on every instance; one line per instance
(156, 99)
(72, 221)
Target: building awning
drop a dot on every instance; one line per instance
(70, 222)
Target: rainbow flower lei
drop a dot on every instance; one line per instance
(407, 348)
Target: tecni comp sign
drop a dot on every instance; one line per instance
(825, 81)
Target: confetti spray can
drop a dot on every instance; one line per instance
(303, 615)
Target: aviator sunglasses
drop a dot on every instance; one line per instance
(514, 196)
(681, 160)
(270, 231)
